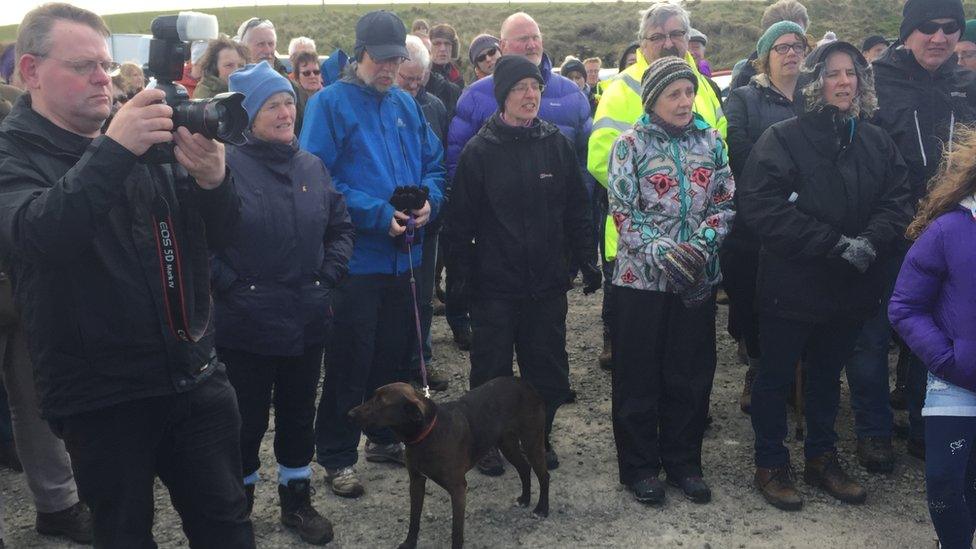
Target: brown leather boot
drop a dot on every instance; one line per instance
(777, 487)
(825, 472)
(605, 356)
(745, 399)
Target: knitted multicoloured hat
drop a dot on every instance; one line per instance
(660, 75)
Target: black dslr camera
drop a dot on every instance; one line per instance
(221, 117)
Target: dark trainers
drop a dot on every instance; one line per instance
(491, 464)
(649, 491)
(777, 487)
(694, 488)
(462, 338)
(74, 523)
(825, 472)
(385, 453)
(876, 454)
(344, 482)
(297, 512)
(249, 493)
(552, 459)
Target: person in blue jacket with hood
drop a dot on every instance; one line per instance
(373, 138)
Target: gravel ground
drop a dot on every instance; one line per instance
(588, 506)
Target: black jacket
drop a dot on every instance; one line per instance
(750, 111)
(273, 282)
(76, 221)
(916, 107)
(436, 114)
(446, 91)
(745, 74)
(806, 184)
(518, 203)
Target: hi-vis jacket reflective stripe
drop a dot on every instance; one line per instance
(619, 107)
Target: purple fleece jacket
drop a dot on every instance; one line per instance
(933, 307)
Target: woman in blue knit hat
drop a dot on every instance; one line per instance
(272, 289)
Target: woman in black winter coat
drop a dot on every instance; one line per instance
(827, 193)
(750, 111)
(272, 288)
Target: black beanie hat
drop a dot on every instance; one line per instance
(917, 12)
(509, 70)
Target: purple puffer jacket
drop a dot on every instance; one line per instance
(933, 307)
(563, 104)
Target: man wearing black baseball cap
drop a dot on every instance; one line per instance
(353, 126)
(922, 94)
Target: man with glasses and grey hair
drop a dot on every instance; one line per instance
(261, 40)
(664, 31)
(123, 355)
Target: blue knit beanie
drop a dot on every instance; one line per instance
(258, 82)
(773, 33)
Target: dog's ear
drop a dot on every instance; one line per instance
(412, 411)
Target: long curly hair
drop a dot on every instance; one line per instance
(955, 180)
(865, 100)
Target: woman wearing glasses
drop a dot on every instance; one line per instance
(307, 72)
(750, 110)
(223, 56)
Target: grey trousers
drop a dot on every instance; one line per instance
(45, 460)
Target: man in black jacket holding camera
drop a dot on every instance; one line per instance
(110, 267)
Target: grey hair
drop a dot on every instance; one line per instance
(865, 101)
(299, 42)
(786, 10)
(659, 13)
(418, 51)
(243, 30)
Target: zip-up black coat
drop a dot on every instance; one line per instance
(805, 184)
(273, 282)
(77, 224)
(916, 108)
(446, 91)
(518, 204)
(750, 111)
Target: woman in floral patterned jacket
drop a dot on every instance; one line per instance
(670, 191)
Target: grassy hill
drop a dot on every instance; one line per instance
(581, 29)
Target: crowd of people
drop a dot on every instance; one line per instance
(153, 315)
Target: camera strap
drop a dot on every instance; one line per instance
(171, 271)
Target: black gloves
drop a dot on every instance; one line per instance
(857, 251)
(592, 278)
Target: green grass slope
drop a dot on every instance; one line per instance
(580, 29)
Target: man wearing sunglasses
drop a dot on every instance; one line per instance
(922, 94)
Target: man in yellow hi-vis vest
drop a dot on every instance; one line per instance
(664, 29)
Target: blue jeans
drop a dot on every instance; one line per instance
(824, 346)
(867, 367)
(950, 473)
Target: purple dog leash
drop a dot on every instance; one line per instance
(408, 239)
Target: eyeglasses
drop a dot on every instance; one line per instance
(488, 53)
(524, 87)
(310, 72)
(782, 49)
(675, 36)
(410, 79)
(931, 27)
(86, 67)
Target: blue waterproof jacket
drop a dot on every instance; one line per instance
(333, 66)
(373, 142)
(272, 284)
(563, 104)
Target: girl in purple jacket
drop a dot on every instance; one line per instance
(933, 308)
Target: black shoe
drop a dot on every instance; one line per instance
(491, 464)
(462, 338)
(298, 514)
(249, 493)
(876, 454)
(552, 460)
(916, 448)
(8, 456)
(571, 396)
(74, 523)
(649, 491)
(694, 488)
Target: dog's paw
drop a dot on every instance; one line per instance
(523, 501)
(407, 545)
(540, 513)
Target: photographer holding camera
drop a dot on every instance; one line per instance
(110, 268)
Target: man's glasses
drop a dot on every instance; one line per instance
(782, 49)
(86, 67)
(310, 72)
(524, 87)
(675, 36)
(931, 27)
(488, 53)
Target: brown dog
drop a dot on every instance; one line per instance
(445, 440)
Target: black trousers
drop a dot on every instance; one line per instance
(600, 209)
(291, 381)
(663, 367)
(190, 440)
(369, 340)
(740, 268)
(535, 329)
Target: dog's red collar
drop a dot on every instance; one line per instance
(423, 434)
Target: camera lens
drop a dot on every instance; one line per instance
(221, 117)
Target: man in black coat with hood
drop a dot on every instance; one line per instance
(518, 203)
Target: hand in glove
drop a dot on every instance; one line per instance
(857, 251)
(592, 278)
(684, 265)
